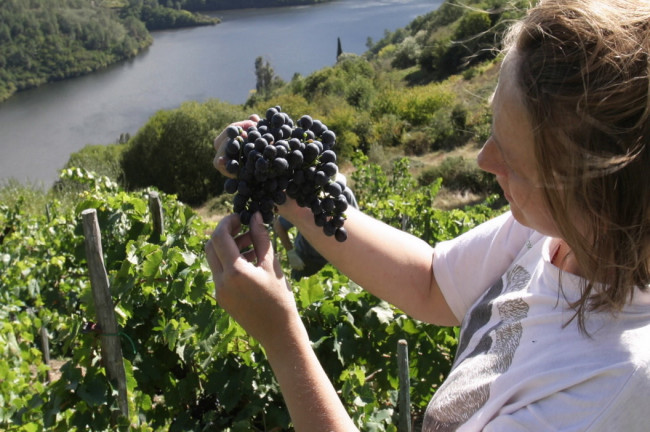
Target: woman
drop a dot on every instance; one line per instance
(555, 311)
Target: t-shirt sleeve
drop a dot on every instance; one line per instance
(469, 264)
(284, 223)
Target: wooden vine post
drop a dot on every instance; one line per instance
(45, 337)
(404, 395)
(155, 207)
(45, 348)
(111, 347)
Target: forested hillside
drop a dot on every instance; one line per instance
(46, 40)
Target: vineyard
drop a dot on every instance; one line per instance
(189, 366)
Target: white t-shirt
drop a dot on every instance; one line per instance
(519, 366)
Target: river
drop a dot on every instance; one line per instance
(40, 128)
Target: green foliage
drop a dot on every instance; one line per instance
(157, 17)
(335, 80)
(208, 5)
(397, 199)
(415, 105)
(461, 174)
(189, 366)
(452, 38)
(174, 150)
(266, 79)
(101, 159)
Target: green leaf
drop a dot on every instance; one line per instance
(93, 391)
(383, 312)
(311, 291)
(151, 265)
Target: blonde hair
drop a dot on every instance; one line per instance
(584, 74)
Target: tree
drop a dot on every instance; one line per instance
(266, 78)
(339, 50)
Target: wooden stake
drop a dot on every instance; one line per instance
(45, 348)
(155, 207)
(110, 340)
(404, 396)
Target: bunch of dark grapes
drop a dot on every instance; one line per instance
(278, 158)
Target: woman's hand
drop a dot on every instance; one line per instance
(249, 283)
(250, 286)
(220, 159)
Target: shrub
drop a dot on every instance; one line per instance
(461, 174)
(417, 143)
(407, 54)
(103, 160)
(390, 130)
(416, 105)
(174, 151)
(360, 92)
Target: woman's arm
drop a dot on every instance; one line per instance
(250, 286)
(389, 263)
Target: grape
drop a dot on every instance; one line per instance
(253, 134)
(306, 122)
(244, 189)
(281, 151)
(320, 219)
(334, 189)
(328, 137)
(321, 179)
(341, 234)
(270, 113)
(341, 204)
(230, 186)
(311, 153)
(279, 197)
(245, 217)
(329, 229)
(232, 166)
(328, 205)
(318, 127)
(233, 131)
(281, 165)
(277, 120)
(330, 169)
(276, 159)
(232, 148)
(270, 152)
(328, 156)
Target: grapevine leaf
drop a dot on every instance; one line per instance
(151, 265)
(383, 313)
(93, 392)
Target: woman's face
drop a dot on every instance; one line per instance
(509, 154)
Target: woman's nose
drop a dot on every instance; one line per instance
(489, 158)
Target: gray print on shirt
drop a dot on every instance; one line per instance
(467, 387)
